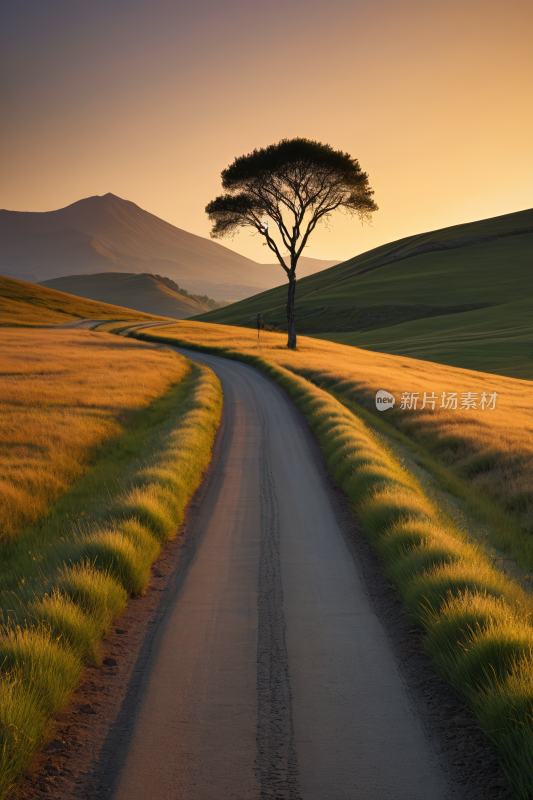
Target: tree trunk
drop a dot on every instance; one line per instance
(291, 342)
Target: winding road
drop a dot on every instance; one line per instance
(270, 676)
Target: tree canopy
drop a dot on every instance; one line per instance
(296, 184)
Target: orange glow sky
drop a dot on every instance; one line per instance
(151, 100)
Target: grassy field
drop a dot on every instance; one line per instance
(64, 578)
(477, 619)
(497, 339)
(29, 305)
(452, 306)
(63, 394)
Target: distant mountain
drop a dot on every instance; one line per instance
(151, 294)
(108, 234)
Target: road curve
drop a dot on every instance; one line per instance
(270, 676)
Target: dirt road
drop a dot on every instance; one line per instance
(270, 676)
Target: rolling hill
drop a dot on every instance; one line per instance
(24, 304)
(152, 294)
(109, 234)
(461, 296)
(306, 266)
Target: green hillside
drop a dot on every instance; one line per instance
(442, 296)
(497, 339)
(26, 304)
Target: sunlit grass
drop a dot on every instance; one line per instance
(30, 305)
(63, 394)
(37, 676)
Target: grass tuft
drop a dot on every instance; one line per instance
(68, 624)
(115, 554)
(96, 593)
(151, 505)
(36, 657)
(390, 505)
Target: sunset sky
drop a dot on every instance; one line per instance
(151, 100)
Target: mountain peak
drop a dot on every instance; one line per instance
(99, 198)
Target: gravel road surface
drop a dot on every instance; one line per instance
(270, 676)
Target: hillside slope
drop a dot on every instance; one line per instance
(421, 288)
(498, 339)
(109, 234)
(140, 291)
(25, 304)
(306, 266)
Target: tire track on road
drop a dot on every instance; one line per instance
(277, 763)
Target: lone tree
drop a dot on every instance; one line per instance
(296, 184)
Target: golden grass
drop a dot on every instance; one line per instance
(30, 305)
(493, 449)
(62, 395)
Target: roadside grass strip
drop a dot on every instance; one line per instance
(505, 531)
(64, 580)
(477, 620)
